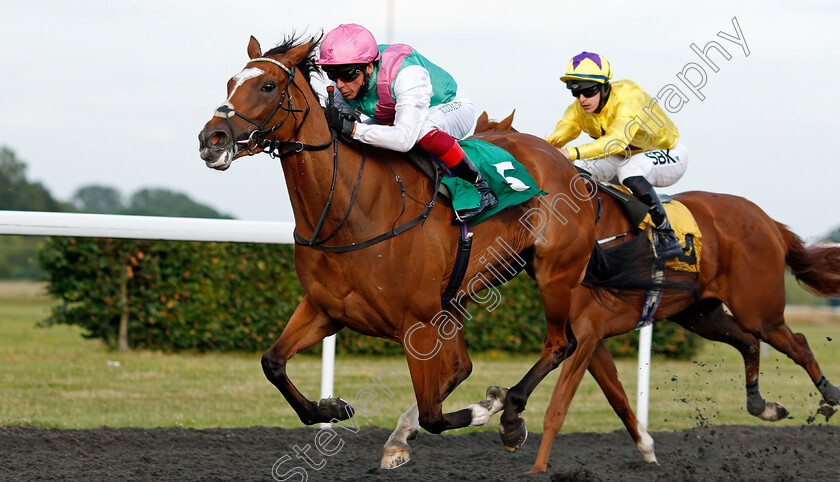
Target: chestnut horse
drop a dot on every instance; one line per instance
(392, 289)
(742, 266)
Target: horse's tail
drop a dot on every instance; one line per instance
(815, 266)
(626, 270)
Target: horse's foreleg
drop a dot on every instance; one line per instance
(308, 326)
(602, 368)
(570, 376)
(493, 403)
(559, 344)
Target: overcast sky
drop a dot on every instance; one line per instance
(115, 92)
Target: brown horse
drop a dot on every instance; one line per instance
(392, 289)
(742, 266)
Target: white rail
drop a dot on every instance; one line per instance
(144, 227)
(643, 385)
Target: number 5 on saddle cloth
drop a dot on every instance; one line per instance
(508, 179)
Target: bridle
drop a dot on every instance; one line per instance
(257, 138)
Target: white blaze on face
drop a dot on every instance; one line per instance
(240, 79)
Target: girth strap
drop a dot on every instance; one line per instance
(462, 261)
(654, 296)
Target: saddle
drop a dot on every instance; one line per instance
(682, 221)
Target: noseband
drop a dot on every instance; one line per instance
(257, 138)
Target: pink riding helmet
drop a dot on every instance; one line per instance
(348, 44)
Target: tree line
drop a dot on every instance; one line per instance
(17, 193)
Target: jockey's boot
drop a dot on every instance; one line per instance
(467, 171)
(666, 243)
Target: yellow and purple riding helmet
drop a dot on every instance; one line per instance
(587, 69)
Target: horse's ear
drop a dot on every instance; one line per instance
(481, 123)
(507, 123)
(297, 54)
(254, 50)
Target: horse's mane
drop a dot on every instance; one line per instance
(307, 67)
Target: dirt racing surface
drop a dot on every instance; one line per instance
(704, 453)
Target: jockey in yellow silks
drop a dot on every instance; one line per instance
(635, 143)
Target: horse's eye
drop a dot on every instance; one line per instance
(269, 86)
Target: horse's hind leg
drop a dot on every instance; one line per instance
(437, 366)
(765, 317)
(308, 326)
(396, 451)
(795, 346)
(710, 321)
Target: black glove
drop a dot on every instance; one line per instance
(339, 121)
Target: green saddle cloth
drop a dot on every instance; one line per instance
(508, 179)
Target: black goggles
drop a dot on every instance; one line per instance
(347, 74)
(587, 92)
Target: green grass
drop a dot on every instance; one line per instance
(54, 378)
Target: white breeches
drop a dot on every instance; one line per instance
(661, 167)
(455, 118)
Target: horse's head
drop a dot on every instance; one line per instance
(264, 102)
(484, 124)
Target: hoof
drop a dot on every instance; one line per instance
(335, 409)
(831, 395)
(829, 392)
(773, 412)
(781, 411)
(395, 456)
(496, 393)
(514, 439)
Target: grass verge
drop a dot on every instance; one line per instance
(54, 378)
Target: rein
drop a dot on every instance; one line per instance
(274, 147)
(370, 242)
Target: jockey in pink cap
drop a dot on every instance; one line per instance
(408, 99)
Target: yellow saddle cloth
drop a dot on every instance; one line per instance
(687, 232)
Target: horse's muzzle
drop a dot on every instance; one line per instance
(216, 149)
